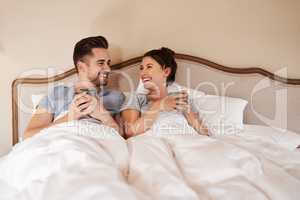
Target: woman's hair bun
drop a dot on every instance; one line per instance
(166, 58)
(166, 50)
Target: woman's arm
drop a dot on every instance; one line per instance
(197, 123)
(135, 124)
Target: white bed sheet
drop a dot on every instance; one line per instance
(77, 160)
(257, 163)
(284, 138)
(90, 161)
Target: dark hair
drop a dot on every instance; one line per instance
(84, 47)
(165, 57)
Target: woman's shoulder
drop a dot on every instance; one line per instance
(135, 101)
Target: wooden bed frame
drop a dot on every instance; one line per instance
(44, 80)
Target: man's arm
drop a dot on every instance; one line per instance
(98, 112)
(43, 119)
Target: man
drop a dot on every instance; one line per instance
(92, 62)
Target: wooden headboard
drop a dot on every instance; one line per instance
(273, 100)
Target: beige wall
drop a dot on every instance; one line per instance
(239, 33)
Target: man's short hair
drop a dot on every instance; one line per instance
(84, 47)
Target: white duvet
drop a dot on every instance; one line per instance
(88, 161)
(78, 160)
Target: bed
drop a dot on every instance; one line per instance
(261, 161)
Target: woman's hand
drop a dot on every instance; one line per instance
(176, 101)
(154, 92)
(190, 115)
(195, 121)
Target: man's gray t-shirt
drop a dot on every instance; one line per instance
(59, 99)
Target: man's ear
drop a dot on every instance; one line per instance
(81, 66)
(167, 71)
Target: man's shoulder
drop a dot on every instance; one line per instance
(113, 100)
(60, 91)
(114, 93)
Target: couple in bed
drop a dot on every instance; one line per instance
(90, 100)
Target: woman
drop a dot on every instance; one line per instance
(157, 73)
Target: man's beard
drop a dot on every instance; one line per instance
(100, 83)
(101, 79)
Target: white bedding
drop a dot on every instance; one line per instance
(87, 161)
(77, 160)
(243, 166)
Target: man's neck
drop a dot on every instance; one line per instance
(100, 88)
(85, 83)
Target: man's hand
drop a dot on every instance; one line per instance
(98, 111)
(80, 106)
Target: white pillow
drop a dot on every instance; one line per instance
(35, 99)
(174, 87)
(221, 114)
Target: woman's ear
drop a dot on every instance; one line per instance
(167, 71)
